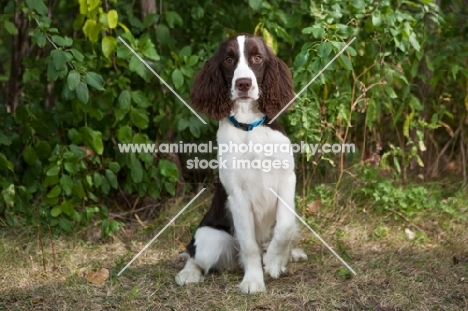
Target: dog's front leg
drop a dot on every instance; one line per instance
(250, 251)
(285, 232)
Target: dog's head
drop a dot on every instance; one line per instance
(243, 69)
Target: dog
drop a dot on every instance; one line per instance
(243, 86)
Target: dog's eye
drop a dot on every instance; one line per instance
(229, 60)
(257, 59)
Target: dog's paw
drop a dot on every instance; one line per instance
(187, 276)
(297, 254)
(275, 264)
(252, 286)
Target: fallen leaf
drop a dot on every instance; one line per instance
(410, 234)
(37, 299)
(314, 206)
(98, 277)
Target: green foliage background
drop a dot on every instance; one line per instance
(71, 90)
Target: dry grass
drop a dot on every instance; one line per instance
(394, 273)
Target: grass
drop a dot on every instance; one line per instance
(429, 272)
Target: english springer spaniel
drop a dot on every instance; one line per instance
(244, 85)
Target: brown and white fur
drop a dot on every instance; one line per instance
(244, 79)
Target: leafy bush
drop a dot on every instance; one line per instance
(73, 91)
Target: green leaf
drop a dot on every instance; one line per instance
(91, 29)
(301, 59)
(82, 92)
(10, 28)
(139, 118)
(78, 190)
(170, 188)
(192, 60)
(40, 39)
(97, 179)
(43, 149)
(162, 34)
(148, 50)
(173, 18)
(414, 41)
(62, 41)
(38, 6)
(345, 62)
(65, 224)
(397, 165)
(8, 195)
(93, 139)
(124, 100)
(136, 169)
(390, 92)
(317, 32)
(73, 79)
(376, 19)
(4, 140)
(429, 63)
(55, 211)
(108, 45)
(124, 134)
(137, 66)
(77, 55)
(67, 208)
(67, 184)
(185, 51)
(112, 179)
(197, 13)
(256, 5)
(89, 180)
(58, 59)
(55, 192)
(194, 129)
(177, 78)
(140, 99)
(30, 155)
(324, 49)
(95, 80)
(53, 171)
(5, 164)
(112, 19)
(168, 170)
(182, 124)
(52, 73)
(72, 168)
(114, 167)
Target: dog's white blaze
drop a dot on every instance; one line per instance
(244, 71)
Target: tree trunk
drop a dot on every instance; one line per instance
(147, 7)
(20, 48)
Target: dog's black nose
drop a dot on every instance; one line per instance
(243, 84)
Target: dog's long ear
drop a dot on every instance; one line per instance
(277, 86)
(209, 92)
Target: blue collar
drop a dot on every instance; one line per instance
(245, 126)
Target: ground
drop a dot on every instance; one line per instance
(394, 272)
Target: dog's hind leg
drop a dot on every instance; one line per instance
(210, 249)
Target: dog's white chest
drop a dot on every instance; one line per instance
(254, 162)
